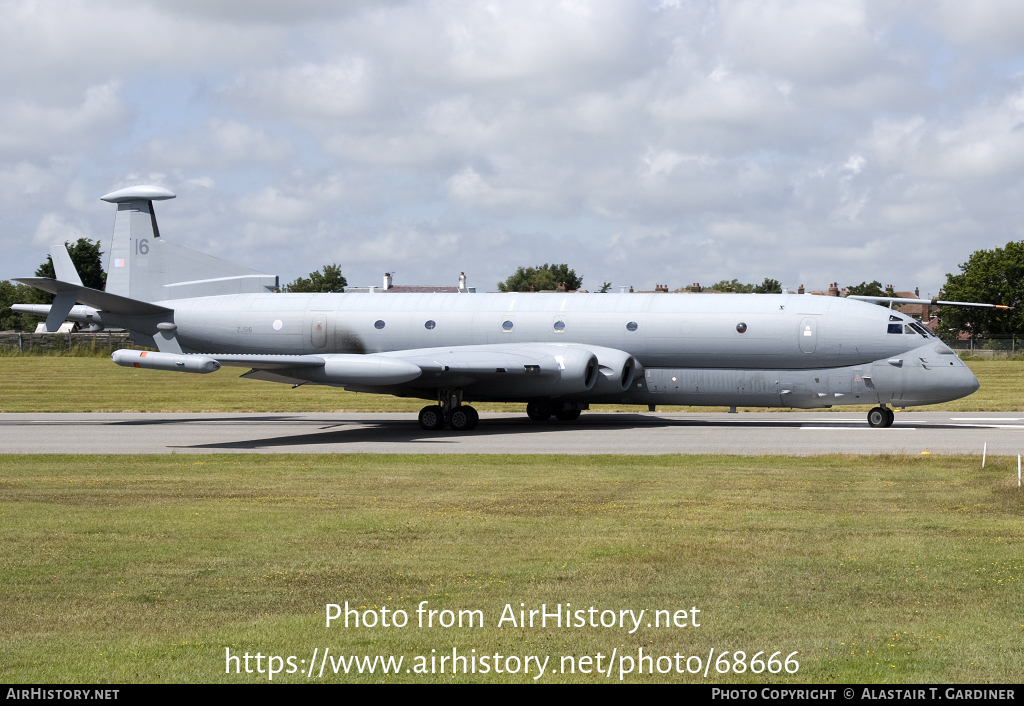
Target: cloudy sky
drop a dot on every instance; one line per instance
(640, 142)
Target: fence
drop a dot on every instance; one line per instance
(989, 346)
(60, 342)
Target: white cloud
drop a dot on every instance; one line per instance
(219, 144)
(26, 124)
(670, 142)
(53, 228)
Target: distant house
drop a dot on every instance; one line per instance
(389, 287)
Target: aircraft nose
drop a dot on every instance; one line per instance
(962, 382)
(970, 382)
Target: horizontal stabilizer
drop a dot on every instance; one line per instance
(104, 301)
(933, 302)
(63, 266)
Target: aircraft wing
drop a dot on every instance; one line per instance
(933, 302)
(267, 362)
(477, 361)
(528, 369)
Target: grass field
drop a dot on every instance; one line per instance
(874, 569)
(94, 384)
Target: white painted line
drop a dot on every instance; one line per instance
(987, 419)
(992, 426)
(900, 428)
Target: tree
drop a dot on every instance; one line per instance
(864, 289)
(604, 288)
(988, 277)
(329, 280)
(769, 286)
(13, 293)
(735, 285)
(543, 277)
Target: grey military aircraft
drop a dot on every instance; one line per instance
(558, 353)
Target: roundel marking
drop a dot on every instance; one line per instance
(278, 324)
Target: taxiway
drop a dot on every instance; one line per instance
(788, 433)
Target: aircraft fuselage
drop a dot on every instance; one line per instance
(711, 349)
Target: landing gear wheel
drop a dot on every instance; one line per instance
(890, 417)
(462, 418)
(538, 411)
(877, 417)
(475, 415)
(431, 418)
(567, 415)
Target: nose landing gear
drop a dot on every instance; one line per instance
(881, 417)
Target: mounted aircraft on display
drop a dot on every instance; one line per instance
(558, 353)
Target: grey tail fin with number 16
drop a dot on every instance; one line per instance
(143, 266)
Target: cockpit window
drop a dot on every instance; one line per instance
(895, 328)
(920, 329)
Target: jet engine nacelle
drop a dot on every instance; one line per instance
(165, 361)
(579, 369)
(617, 370)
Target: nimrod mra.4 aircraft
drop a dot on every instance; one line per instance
(556, 352)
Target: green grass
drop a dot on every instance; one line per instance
(94, 384)
(875, 569)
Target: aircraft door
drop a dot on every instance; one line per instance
(808, 334)
(318, 329)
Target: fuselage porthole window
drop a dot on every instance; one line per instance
(429, 325)
(741, 327)
(631, 326)
(559, 325)
(378, 324)
(895, 328)
(506, 325)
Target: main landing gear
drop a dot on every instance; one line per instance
(543, 411)
(449, 411)
(881, 417)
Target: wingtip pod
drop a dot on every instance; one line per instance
(165, 361)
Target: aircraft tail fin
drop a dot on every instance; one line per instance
(144, 267)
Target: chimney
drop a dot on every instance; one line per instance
(387, 281)
(560, 287)
(533, 288)
(917, 292)
(833, 289)
(462, 281)
(800, 289)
